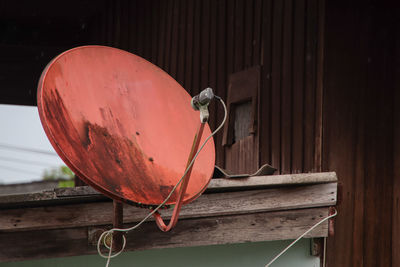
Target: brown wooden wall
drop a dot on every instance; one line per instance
(361, 135)
(200, 43)
(326, 96)
(329, 87)
(31, 34)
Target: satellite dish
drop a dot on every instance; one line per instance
(122, 125)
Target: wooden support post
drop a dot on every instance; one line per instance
(118, 218)
(78, 181)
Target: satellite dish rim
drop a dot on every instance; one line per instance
(81, 175)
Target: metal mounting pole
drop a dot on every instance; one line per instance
(118, 218)
(199, 102)
(183, 187)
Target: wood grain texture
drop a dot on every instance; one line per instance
(223, 37)
(310, 85)
(358, 142)
(340, 133)
(272, 180)
(189, 232)
(242, 155)
(265, 90)
(88, 194)
(298, 87)
(235, 229)
(343, 65)
(222, 76)
(218, 204)
(276, 81)
(200, 43)
(396, 163)
(287, 91)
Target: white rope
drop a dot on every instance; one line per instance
(105, 234)
(300, 237)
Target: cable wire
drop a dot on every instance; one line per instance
(300, 237)
(27, 149)
(25, 161)
(19, 170)
(107, 234)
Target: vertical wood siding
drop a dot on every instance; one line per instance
(347, 121)
(361, 135)
(200, 43)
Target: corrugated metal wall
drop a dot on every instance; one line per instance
(200, 43)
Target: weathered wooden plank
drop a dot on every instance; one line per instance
(133, 26)
(230, 37)
(265, 92)
(175, 41)
(124, 24)
(396, 167)
(378, 134)
(155, 13)
(188, 84)
(357, 142)
(140, 27)
(110, 23)
(162, 33)
(287, 90)
(168, 35)
(196, 52)
(117, 24)
(340, 119)
(183, 17)
(190, 232)
(258, 227)
(276, 83)
(27, 198)
(204, 44)
(221, 75)
(147, 29)
(239, 36)
(272, 180)
(248, 26)
(44, 244)
(319, 86)
(212, 64)
(298, 86)
(310, 85)
(257, 25)
(98, 213)
(86, 193)
(242, 154)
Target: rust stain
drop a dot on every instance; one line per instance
(115, 163)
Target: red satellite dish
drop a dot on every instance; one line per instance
(122, 125)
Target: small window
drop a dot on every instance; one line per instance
(242, 120)
(241, 137)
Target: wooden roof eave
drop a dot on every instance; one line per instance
(262, 208)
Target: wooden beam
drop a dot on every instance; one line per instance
(88, 194)
(252, 227)
(67, 222)
(272, 180)
(217, 204)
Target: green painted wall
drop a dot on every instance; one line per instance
(248, 254)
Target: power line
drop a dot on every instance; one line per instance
(18, 170)
(25, 161)
(33, 150)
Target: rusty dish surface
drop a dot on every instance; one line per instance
(122, 124)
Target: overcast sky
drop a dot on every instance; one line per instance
(21, 131)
